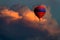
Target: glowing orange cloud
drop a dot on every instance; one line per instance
(9, 13)
(31, 20)
(30, 16)
(45, 23)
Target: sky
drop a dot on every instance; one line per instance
(18, 21)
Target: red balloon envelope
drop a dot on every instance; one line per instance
(40, 11)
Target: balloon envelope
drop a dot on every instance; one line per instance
(40, 11)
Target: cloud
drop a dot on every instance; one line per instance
(9, 15)
(28, 24)
(7, 12)
(50, 24)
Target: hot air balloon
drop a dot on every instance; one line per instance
(40, 11)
